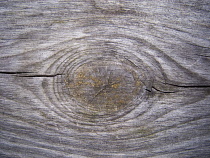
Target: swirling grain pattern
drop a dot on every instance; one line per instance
(105, 78)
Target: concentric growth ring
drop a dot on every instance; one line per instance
(102, 80)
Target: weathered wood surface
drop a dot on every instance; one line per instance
(165, 42)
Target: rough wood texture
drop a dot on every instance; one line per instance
(66, 66)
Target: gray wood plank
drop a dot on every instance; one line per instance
(105, 78)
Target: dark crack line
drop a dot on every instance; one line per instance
(11, 73)
(160, 90)
(40, 75)
(180, 86)
(28, 74)
(163, 91)
(189, 86)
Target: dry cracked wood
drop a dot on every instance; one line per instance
(105, 78)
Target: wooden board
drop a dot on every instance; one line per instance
(105, 78)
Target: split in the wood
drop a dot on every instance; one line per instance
(150, 90)
(11, 73)
(28, 74)
(40, 75)
(189, 86)
(174, 85)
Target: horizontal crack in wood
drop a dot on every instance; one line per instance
(175, 85)
(40, 75)
(163, 91)
(28, 74)
(189, 86)
(8, 72)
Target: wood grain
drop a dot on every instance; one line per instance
(156, 51)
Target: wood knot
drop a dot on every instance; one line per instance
(104, 86)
